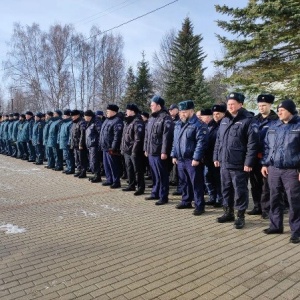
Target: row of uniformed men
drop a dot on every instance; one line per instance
(242, 145)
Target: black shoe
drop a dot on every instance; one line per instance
(48, 167)
(124, 177)
(58, 169)
(239, 223)
(64, 171)
(228, 216)
(265, 215)
(254, 212)
(128, 189)
(173, 183)
(151, 198)
(138, 193)
(31, 160)
(105, 183)
(77, 174)
(210, 202)
(183, 206)
(198, 212)
(295, 239)
(96, 179)
(69, 172)
(218, 204)
(115, 186)
(176, 193)
(150, 186)
(273, 231)
(82, 175)
(38, 163)
(161, 202)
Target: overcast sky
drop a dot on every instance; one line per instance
(140, 35)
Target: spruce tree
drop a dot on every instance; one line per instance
(186, 80)
(131, 89)
(265, 53)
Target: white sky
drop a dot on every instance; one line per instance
(144, 34)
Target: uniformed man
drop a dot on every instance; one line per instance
(64, 142)
(132, 148)
(206, 115)
(235, 152)
(5, 134)
(189, 146)
(21, 143)
(14, 135)
(259, 184)
(9, 134)
(52, 140)
(28, 126)
(77, 143)
(157, 147)
(110, 142)
(92, 137)
(212, 175)
(37, 138)
(48, 149)
(281, 164)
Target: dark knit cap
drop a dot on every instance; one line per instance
(11, 115)
(39, 114)
(67, 112)
(99, 113)
(29, 113)
(75, 112)
(22, 116)
(16, 115)
(145, 114)
(49, 113)
(289, 105)
(113, 107)
(268, 98)
(59, 112)
(158, 100)
(89, 113)
(219, 108)
(173, 106)
(237, 97)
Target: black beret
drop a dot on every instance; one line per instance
(11, 115)
(16, 114)
(6, 116)
(289, 105)
(89, 113)
(206, 112)
(49, 113)
(158, 100)
(29, 113)
(185, 105)
(58, 111)
(237, 97)
(219, 108)
(113, 107)
(145, 114)
(266, 98)
(132, 107)
(99, 113)
(67, 112)
(22, 116)
(75, 112)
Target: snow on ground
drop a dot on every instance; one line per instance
(10, 228)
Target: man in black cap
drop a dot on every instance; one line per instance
(92, 137)
(212, 174)
(110, 142)
(157, 147)
(48, 150)
(78, 143)
(53, 142)
(235, 152)
(206, 115)
(28, 126)
(64, 142)
(145, 118)
(37, 138)
(259, 184)
(281, 164)
(188, 151)
(132, 148)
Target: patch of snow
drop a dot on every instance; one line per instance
(10, 228)
(110, 207)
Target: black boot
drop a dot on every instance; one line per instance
(228, 215)
(96, 178)
(240, 221)
(82, 174)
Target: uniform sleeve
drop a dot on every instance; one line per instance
(139, 134)
(216, 148)
(201, 142)
(167, 138)
(252, 144)
(266, 150)
(118, 130)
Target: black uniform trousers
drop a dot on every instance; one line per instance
(135, 171)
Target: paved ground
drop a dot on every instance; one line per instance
(85, 241)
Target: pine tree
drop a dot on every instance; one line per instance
(143, 84)
(186, 80)
(131, 89)
(265, 55)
